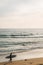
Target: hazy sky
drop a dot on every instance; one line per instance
(21, 13)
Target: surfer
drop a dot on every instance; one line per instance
(11, 57)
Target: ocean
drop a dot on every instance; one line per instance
(24, 43)
(19, 40)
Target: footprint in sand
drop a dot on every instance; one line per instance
(30, 62)
(4, 64)
(25, 59)
(40, 64)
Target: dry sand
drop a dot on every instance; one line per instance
(36, 61)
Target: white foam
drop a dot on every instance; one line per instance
(24, 55)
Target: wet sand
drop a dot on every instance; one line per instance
(34, 57)
(23, 55)
(35, 61)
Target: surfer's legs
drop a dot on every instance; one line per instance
(10, 59)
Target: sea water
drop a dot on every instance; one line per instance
(18, 40)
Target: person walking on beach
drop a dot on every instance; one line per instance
(10, 57)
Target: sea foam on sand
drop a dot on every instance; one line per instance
(24, 55)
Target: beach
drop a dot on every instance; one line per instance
(35, 61)
(33, 57)
(23, 55)
(27, 45)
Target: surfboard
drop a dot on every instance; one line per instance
(11, 56)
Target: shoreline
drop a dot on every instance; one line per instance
(24, 55)
(33, 61)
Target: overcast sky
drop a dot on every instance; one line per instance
(21, 13)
